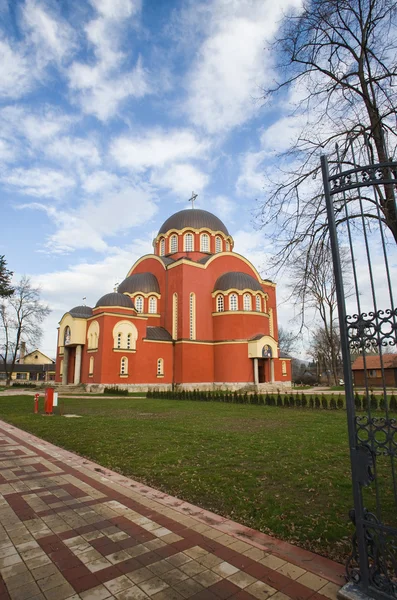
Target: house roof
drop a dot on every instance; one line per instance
(157, 333)
(373, 362)
(37, 351)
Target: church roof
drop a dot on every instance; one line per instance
(238, 281)
(157, 333)
(81, 312)
(139, 282)
(194, 218)
(115, 299)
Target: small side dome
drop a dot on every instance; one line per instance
(115, 299)
(139, 282)
(238, 281)
(81, 312)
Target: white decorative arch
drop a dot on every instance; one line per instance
(125, 335)
(93, 335)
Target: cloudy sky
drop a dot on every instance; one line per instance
(111, 113)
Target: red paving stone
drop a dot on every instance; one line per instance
(93, 506)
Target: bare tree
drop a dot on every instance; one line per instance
(328, 359)
(21, 317)
(313, 288)
(338, 58)
(286, 340)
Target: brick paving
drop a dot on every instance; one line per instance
(71, 529)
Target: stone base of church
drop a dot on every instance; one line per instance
(249, 387)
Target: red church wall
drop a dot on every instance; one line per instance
(232, 363)
(194, 362)
(239, 326)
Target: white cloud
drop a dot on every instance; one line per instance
(52, 37)
(39, 182)
(7, 152)
(74, 150)
(232, 66)
(96, 220)
(99, 181)
(157, 148)
(223, 206)
(102, 86)
(181, 178)
(16, 77)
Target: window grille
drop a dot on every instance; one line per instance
(123, 366)
(153, 304)
(233, 302)
(218, 244)
(192, 316)
(174, 244)
(247, 302)
(189, 242)
(220, 304)
(205, 245)
(160, 366)
(162, 247)
(119, 340)
(258, 303)
(139, 304)
(175, 316)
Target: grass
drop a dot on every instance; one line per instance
(284, 472)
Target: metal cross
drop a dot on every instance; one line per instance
(193, 198)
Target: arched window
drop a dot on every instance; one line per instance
(218, 244)
(247, 303)
(188, 239)
(175, 316)
(125, 335)
(93, 335)
(227, 246)
(66, 336)
(139, 303)
(91, 367)
(233, 302)
(204, 242)
(265, 303)
(174, 244)
(162, 247)
(192, 316)
(283, 367)
(152, 305)
(220, 303)
(258, 303)
(61, 368)
(160, 366)
(124, 366)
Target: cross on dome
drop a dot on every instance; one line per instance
(192, 199)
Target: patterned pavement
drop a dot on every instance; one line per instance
(71, 529)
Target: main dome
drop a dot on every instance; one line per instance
(194, 218)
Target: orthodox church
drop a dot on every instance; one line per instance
(194, 314)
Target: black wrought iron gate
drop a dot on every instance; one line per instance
(355, 199)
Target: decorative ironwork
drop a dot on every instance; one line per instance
(368, 330)
(380, 174)
(377, 434)
(381, 545)
(370, 334)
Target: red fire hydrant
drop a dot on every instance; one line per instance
(36, 404)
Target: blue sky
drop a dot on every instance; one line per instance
(111, 113)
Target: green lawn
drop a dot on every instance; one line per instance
(282, 471)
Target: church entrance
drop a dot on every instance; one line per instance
(261, 370)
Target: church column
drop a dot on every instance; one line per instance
(272, 370)
(77, 365)
(256, 373)
(65, 366)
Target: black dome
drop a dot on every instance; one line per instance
(194, 218)
(81, 312)
(139, 282)
(115, 299)
(238, 281)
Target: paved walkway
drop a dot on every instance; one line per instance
(71, 529)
